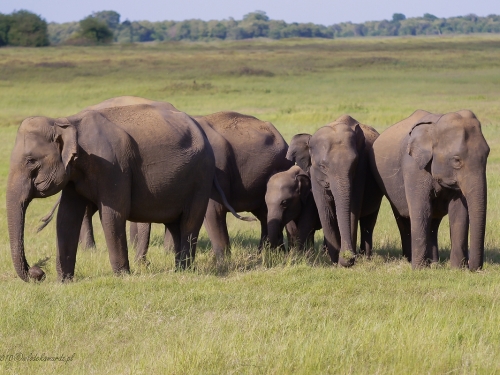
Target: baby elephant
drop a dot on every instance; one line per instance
(290, 201)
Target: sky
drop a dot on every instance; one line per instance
(325, 12)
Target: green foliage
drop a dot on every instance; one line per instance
(95, 30)
(23, 28)
(396, 17)
(111, 18)
(257, 313)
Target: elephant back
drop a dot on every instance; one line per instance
(122, 101)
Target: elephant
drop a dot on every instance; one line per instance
(143, 162)
(343, 185)
(429, 165)
(247, 152)
(289, 199)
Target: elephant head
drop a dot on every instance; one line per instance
(298, 151)
(286, 194)
(39, 167)
(453, 149)
(335, 150)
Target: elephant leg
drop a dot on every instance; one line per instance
(419, 205)
(292, 235)
(404, 227)
(114, 227)
(168, 241)
(216, 226)
(367, 224)
(143, 236)
(175, 231)
(69, 221)
(261, 214)
(87, 231)
(434, 249)
(134, 233)
(459, 232)
(190, 225)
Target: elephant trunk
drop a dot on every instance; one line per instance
(18, 199)
(476, 196)
(341, 190)
(275, 232)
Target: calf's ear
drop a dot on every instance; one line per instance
(66, 136)
(420, 143)
(304, 186)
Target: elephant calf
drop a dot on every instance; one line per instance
(289, 199)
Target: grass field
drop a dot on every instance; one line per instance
(257, 313)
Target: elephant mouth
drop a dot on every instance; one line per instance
(451, 184)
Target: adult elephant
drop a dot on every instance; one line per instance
(248, 152)
(429, 165)
(144, 162)
(289, 200)
(343, 186)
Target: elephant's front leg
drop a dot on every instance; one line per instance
(114, 227)
(419, 203)
(69, 221)
(459, 231)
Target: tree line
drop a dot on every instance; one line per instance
(24, 28)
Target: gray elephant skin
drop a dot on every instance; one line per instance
(248, 152)
(429, 165)
(343, 185)
(143, 162)
(289, 199)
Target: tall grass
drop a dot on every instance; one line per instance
(267, 312)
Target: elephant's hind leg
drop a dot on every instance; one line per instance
(367, 224)
(142, 243)
(434, 249)
(189, 229)
(404, 226)
(87, 232)
(216, 226)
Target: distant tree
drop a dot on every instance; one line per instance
(95, 30)
(27, 30)
(398, 17)
(111, 18)
(430, 17)
(5, 22)
(258, 15)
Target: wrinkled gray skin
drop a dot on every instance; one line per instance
(289, 199)
(343, 186)
(145, 162)
(429, 165)
(248, 152)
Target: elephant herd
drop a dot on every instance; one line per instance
(144, 161)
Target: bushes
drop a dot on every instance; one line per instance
(24, 29)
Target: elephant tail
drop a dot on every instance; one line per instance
(48, 218)
(228, 206)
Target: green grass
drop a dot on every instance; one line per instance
(257, 313)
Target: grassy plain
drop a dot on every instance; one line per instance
(260, 313)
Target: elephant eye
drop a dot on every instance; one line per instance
(283, 203)
(456, 162)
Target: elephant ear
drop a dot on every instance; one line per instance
(420, 143)
(66, 137)
(298, 152)
(360, 137)
(304, 186)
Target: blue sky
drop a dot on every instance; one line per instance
(324, 12)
